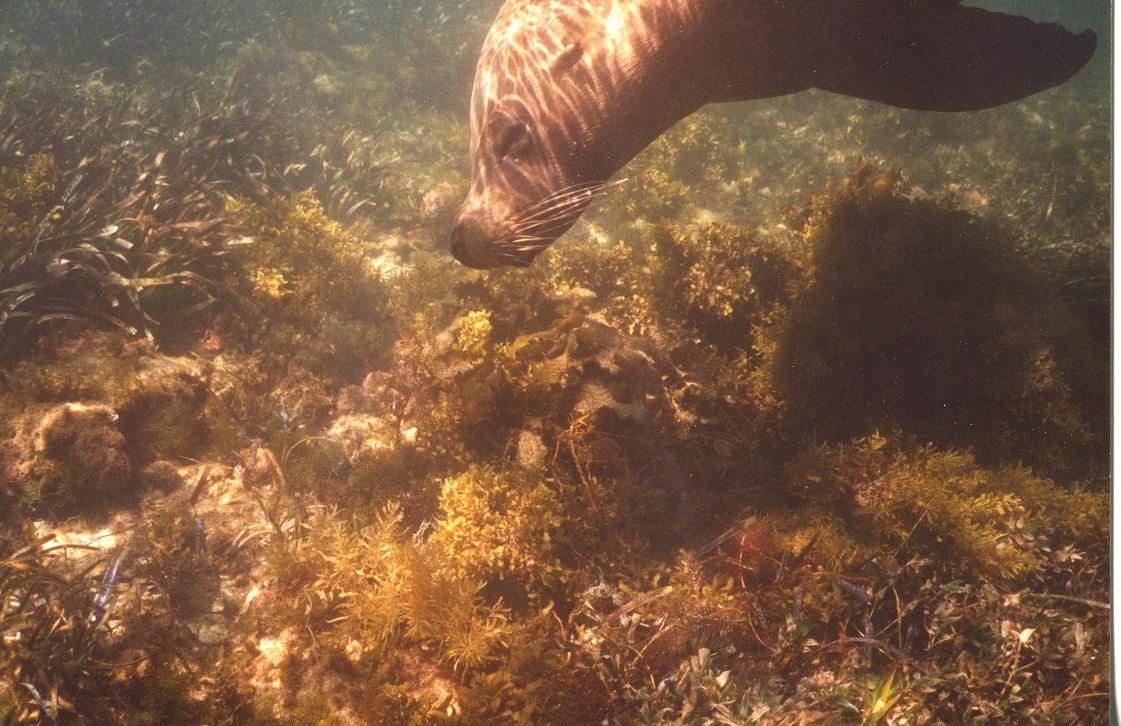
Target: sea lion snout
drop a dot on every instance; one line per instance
(467, 238)
(475, 240)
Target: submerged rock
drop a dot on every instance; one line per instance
(531, 451)
(358, 431)
(441, 199)
(162, 476)
(210, 629)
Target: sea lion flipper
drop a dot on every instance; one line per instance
(940, 56)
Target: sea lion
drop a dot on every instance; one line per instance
(567, 91)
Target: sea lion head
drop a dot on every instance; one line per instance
(513, 209)
(531, 171)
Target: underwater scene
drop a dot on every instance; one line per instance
(802, 419)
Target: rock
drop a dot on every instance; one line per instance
(354, 400)
(377, 383)
(210, 629)
(266, 671)
(227, 512)
(162, 476)
(476, 402)
(259, 467)
(531, 451)
(80, 547)
(388, 264)
(365, 416)
(308, 394)
(354, 431)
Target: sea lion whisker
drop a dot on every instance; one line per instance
(541, 227)
(564, 192)
(514, 260)
(576, 200)
(525, 245)
(509, 255)
(560, 212)
(545, 205)
(557, 216)
(528, 238)
(545, 227)
(558, 203)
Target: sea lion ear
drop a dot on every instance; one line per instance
(567, 58)
(940, 56)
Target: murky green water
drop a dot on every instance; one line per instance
(806, 418)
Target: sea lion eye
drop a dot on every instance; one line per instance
(507, 135)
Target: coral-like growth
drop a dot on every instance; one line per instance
(174, 555)
(306, 265)
(474, 333)
(375, 588)
(323, 309)
(26, 196)
(165, 414)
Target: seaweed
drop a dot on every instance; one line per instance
(749, 445)
(926, 318)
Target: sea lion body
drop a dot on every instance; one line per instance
(567, 91)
